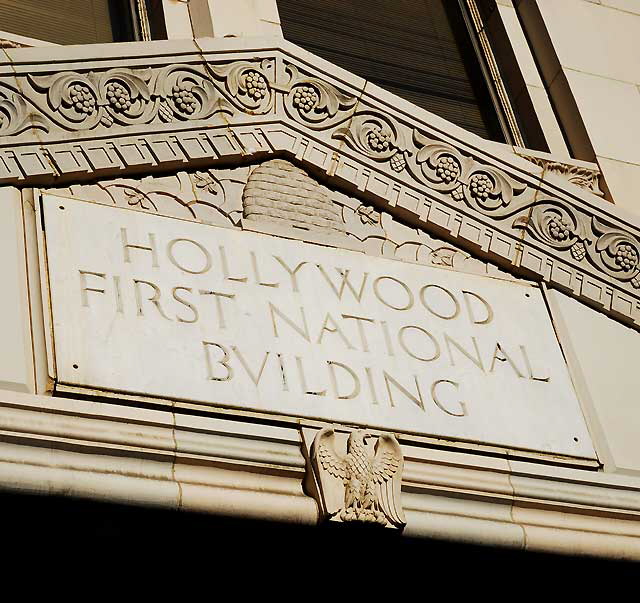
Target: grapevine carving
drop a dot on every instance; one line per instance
(248, 83)
(618, 253)
(16, 116)
(482, 187)
(182, 93)
(85, 100)
(376, 137)
(614, 251)
(553, 224)
(187, 94)
(315, 103)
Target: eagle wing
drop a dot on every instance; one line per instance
(330, 470)
(387, 474)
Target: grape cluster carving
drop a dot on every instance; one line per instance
(626, 257)
(184, 98)
(305, 98)
(256, 85)
(378, 140)
(118, 97)
(447, 169)
(559, 229)
(82, 98)
(480, 185)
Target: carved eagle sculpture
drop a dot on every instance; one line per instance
(359, 486)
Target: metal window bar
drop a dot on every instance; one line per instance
(491, 73)
(140, 20)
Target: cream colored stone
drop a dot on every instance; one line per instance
(16, 354)
(582, 174)
(177, 20)
(575, 535)
(215, 197)
(109, 486)
(241, 18)
(621, 489)
(572, 121)
(594, 39)
(75, 406)
(39, 326)
(202, 472)
(201, 18)
(375, 97)
(603, 361)
(462, 519)
(249, 504)
(265, 450)
(125, 54)
(622, 181)
(62, 446)
(253, 431)
(239, 327)
(363, 485)
(609, 112)
(538, 36)
(246, 467)
(574, 489)
(344, 163)
(526, 65)
(11, 40)
(630, 6)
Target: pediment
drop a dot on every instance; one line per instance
(280, 198)
(75, 114)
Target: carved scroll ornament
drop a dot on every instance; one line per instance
(281, 106)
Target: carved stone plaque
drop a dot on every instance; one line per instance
(154, 306)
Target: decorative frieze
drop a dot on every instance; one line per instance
(169, 111)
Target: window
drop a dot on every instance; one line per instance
(83, 21)
(421, 50)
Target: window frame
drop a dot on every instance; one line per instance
(138, 24)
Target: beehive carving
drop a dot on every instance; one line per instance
(279, 192)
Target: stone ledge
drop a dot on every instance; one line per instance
(59, 446)
(583, 174)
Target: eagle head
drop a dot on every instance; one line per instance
(357, 438)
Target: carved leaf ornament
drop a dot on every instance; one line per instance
(481, 187)
(618, 252)
(248, 84)
(315, 103)
(115, 96)
(83, 101)
(15, 115)
(376, 137)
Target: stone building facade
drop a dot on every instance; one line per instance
(243, 281)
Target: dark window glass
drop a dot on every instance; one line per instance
(155, 14)
(417, 49)
(67, 21)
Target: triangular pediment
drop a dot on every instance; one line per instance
(280, 198)
(76, 114)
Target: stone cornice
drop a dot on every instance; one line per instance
(95, 450)
(72, 114)
(584, 174)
